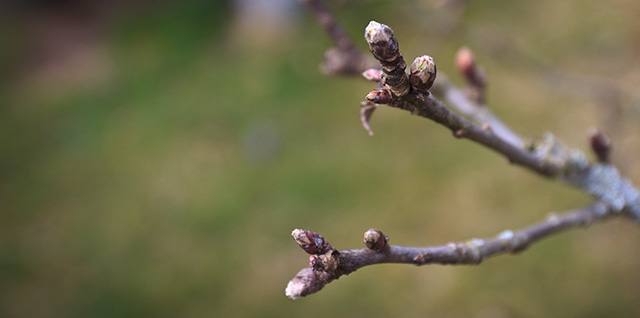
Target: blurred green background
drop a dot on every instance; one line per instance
(155, 156)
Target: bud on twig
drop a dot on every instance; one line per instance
(423, 73)
(384, 47)
(372, 74)
(382, 43)
(601, 146)
(311, 242)
(379, 96)
(375, 240)
(325, 262)
(465, 62)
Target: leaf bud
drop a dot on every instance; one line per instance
(423, 73)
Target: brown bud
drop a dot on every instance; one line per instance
(375, 240)
(311, 242)
(382, 43)
(601, 146)
(423, 73)
(379, 96)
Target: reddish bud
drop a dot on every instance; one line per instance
(465, 61)
(373, 75)
(379, 96)
(311, 242)
(601, 146)
(313, 261)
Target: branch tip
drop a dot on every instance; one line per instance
(459, 133)
(304, 283)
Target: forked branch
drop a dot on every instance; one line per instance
(614, 194)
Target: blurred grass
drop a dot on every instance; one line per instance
(171, 187)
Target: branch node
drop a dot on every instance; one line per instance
(419, 260)
(473, 252)
(306, 282)
(327, 262)
(459, 133)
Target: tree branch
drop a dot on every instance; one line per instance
(614, 194)
(548, 157)
(312, 279)
(479, 114)
(345, 58)
(385, 49)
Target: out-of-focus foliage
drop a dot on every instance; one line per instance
(155, 156)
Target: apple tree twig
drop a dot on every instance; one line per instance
(613, 193)
(327, 264)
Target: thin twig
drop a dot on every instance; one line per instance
(479, 114)
(548, 157)
(473, 251)
(345, 58)
(615, 194)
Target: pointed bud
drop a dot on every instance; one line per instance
(311, 242)
(379, 96)
(423, 73)
(375, 240)
(382, 43)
